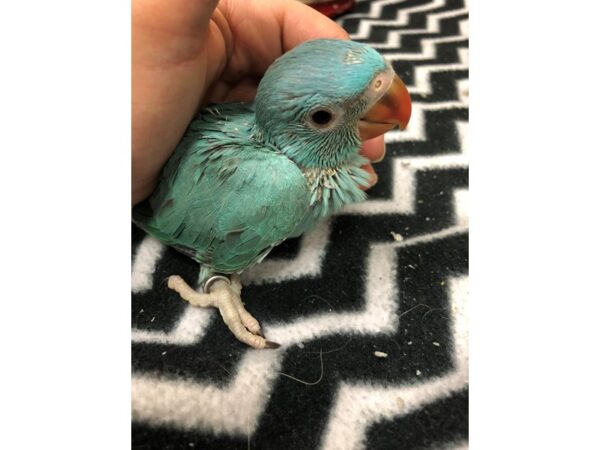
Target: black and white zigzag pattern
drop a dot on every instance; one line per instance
(388, 275)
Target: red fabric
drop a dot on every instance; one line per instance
(334, 8)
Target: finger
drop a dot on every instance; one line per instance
(263, 34)
(374, 178)
(374, 149)
(168, 78)
(302, 23)
(176, 17)
(243, 92)
(166, 33)
(222, 91)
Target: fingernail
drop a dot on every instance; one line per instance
(260, 333)
(374, 179)
(382, 155)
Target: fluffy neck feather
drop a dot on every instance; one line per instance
(333, 188)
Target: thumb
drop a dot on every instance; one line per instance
(173, 16)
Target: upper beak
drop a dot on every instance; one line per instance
(392, 109)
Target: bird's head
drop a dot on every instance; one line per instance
(316, 102)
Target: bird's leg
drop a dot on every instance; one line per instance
(225, 295)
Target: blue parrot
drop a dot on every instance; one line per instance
(247, 176)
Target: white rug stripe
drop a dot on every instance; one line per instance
(375, 9)
(403, 195)
(423, 73)
(404, 172)
(429, 46)
(185, 404)
(307, 264)
(148, 253)
(416, 129)
(379, 315)
(461, 207)
(359, 405)
(393, 37)
(463, 445)
(189, 330)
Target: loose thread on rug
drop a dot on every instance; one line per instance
(318, 297)
(413, 308)
(332, 350)
(307, 382)
(431, 310)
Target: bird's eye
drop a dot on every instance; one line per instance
(321, 117)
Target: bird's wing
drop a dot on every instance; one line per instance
(227, 203)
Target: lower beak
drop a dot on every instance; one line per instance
(392, 109)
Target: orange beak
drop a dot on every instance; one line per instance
(392, 109)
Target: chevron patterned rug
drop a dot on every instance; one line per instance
(370, 308)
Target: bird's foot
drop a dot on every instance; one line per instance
(225, 295)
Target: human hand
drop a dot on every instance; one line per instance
(188, 53)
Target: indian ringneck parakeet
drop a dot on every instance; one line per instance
(247, 176)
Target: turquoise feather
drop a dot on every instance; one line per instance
(246, 176)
